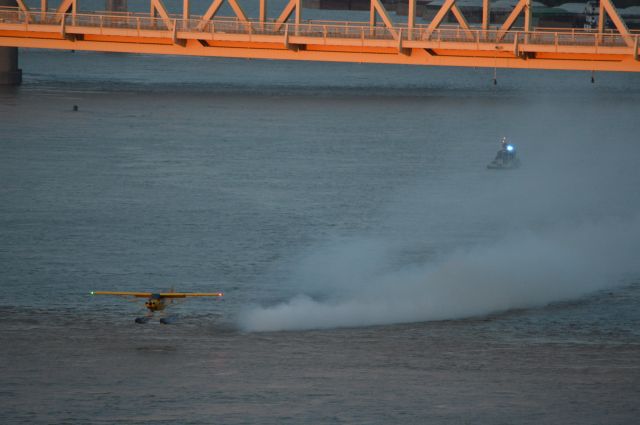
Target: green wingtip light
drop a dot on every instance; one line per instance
(92, 293)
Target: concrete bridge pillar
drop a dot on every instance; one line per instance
(10, 74)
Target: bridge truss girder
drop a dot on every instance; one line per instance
(157, 8)
(423, 49)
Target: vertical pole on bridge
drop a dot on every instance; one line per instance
(411, 18)
(372, 15)
(43, 9)
(373, 19)
(601, 20)
(486, 14)
(527, 21)
(298, 16)
(185, 9)
(10, 74)
(263, 13)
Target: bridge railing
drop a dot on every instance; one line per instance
(315, 29)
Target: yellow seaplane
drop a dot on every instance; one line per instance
(157, 301)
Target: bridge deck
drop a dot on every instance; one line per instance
(320, 40)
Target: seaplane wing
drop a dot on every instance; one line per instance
(157, 301)
(123, 293)
(190, 294)
(158, 295)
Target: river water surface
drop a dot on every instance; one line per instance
(374, 270)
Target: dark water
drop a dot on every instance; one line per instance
(374, 270)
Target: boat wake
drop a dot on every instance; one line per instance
(521, 271)
(472, 244)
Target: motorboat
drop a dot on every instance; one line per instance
(506, 158)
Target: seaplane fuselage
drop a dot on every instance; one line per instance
(155, 303)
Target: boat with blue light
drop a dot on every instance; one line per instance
(506, 158)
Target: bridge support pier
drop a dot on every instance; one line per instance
(10, 74)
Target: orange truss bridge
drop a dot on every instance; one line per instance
(289, 37)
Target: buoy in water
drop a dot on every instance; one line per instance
(75, 108)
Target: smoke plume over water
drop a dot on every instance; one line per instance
(559, 228)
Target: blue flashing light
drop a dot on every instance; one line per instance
(510, 148)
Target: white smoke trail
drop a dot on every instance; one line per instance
(522, 271)
(563, 229)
